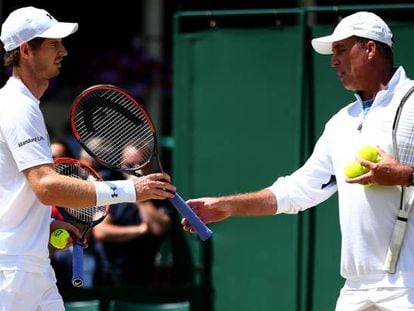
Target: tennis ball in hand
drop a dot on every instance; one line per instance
(354, 169)
(369, 153)
(59, 238)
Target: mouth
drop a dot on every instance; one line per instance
(58, 62)
(341, 74)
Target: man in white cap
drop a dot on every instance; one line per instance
(29, 185)
(361, 48)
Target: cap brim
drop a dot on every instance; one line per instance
(323, 45)
(60, 30)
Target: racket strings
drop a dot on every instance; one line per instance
(88, 214)
(405, 135)
(118, 125)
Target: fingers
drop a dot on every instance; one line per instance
(85, 243)
(74, 231)
(196, 204)
(154, 186)
(185, 223)
(192, 202)
(365, 163)
(361, 179)
(186, 226)
(159, 176)
(72, 241)
(384, 155)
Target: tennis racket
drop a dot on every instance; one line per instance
(83, 218)
(117, 132)
(403, 144)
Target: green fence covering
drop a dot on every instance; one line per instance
(237, 127)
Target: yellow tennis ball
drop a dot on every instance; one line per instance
(59, 238)
(354, 169)
(369, 153)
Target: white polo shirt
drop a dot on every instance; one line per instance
(24, 143)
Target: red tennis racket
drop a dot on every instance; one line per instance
(118, 133)
(83, 218)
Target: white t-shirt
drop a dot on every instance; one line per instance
(367, 215)
(24, 143)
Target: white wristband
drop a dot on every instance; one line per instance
(111, 192)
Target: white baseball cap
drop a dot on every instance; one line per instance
(27, 23)
(361, 24)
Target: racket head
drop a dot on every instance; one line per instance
(403, 131)
(88, 216)
(114, 129)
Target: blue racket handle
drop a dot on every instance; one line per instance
(202, 230)
(77, 265)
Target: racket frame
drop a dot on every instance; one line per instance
(153, 164)
(153, 159)
(77, 261)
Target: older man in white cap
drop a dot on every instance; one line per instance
(361, 48)
(29, 184)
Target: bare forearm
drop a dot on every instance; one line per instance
(259, 203)
(215, 209)
(52, 188)
(66, 192)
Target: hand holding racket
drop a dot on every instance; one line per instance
(403, 144)
(117, 132)
(83, 218)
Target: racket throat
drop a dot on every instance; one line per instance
(154, 166)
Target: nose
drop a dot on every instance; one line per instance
(64, 51)
(334, 61)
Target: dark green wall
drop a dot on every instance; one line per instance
(237, 129)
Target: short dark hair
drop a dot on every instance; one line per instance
(384, 48)
(12, 58)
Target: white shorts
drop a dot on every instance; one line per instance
(376, 299)
(29, 291)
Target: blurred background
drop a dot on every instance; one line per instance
(239, 98)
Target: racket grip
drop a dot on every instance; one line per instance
(202, 230)
(77, 265)
(395, 246)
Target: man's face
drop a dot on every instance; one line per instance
(350, 59)
(46, 60)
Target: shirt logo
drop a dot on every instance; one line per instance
(30, 140)
(114, 194)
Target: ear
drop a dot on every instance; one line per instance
(24, 49)
(370, 49)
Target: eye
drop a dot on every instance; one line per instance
(339, 51)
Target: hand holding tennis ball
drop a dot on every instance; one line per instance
(59, 238)
(355, 169)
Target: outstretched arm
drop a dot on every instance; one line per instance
(52, 188)
(213, 209)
